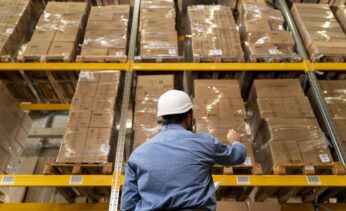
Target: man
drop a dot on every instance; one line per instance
(172, 171)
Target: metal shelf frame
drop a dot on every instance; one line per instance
(117, 179)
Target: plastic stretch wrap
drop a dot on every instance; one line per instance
(335, 96)
(149, 89)
(218, 107)
(265, 38)
(106, 33)
(214, 34)
(14, 129)
(321, 33)
(158, 37)
(285, 130)
(91, 124)
(341, 16)
(15, 19)
(57, 32)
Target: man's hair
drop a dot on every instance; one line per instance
(175, 118)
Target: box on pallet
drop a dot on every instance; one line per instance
(14, 128)
(311, 19)
(106, 34)
(334, 92)
(261, 27)
(158, 38)
(217, 39)
(59, 27)
(91, 123)
(15, 25)
(284, 126)
(149, 89)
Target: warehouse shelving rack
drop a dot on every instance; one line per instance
(117, 179)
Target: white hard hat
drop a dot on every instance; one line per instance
(173, 102)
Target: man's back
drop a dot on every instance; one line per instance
(172, 171)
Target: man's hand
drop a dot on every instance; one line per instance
(233, 136)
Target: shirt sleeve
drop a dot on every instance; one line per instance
(130, 196)
(228, 155)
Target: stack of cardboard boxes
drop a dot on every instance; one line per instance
(321, 33)
(158, 37)
(262, 30)
(248, 206)
(149, 89)
(15, 19)
(214, 34)
(57, 33)
(340, 14)
(334, 93)
(97, 2)
(284, 126)
(106, 34)
(14, 129)
(218, 107)
(90, 133)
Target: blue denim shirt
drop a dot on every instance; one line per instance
(173, 170)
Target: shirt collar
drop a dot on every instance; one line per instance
(172, 126)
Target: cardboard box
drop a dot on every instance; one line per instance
(70, 154)
(146, 106)
(75, 136)
(216, 89)
(89, 77)
(61, 48)
(273, 88)
(278, 152)
(153, 86)
(37, 48)
(96, 153)
(234, 206)
(107, 90)
(99, 136)
(79, 118)
(101, 119)
(284, 129)
(83, 103)
(104, 104)
(43, 36)
(112, 77)
(260, 206)
(86, 89)
(315, 152)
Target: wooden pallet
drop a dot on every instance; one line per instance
(307, 194)
(159, 59)
(272, 59)
(327, 58)
(334, 168)
(236, 193)
(219, 59)
(255, 169)
(45, 58)
(78, 168)
(101, 59)
(5, 58)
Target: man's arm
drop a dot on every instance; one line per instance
(228, 155)
(130, 196)
(233, 154)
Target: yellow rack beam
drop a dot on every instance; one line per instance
(329, 66)
(302, 66)
(225, 180)
(45, 107)
(218, 66)
(56, 180)
(154, 66)
(62, 66)
(53, 207)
